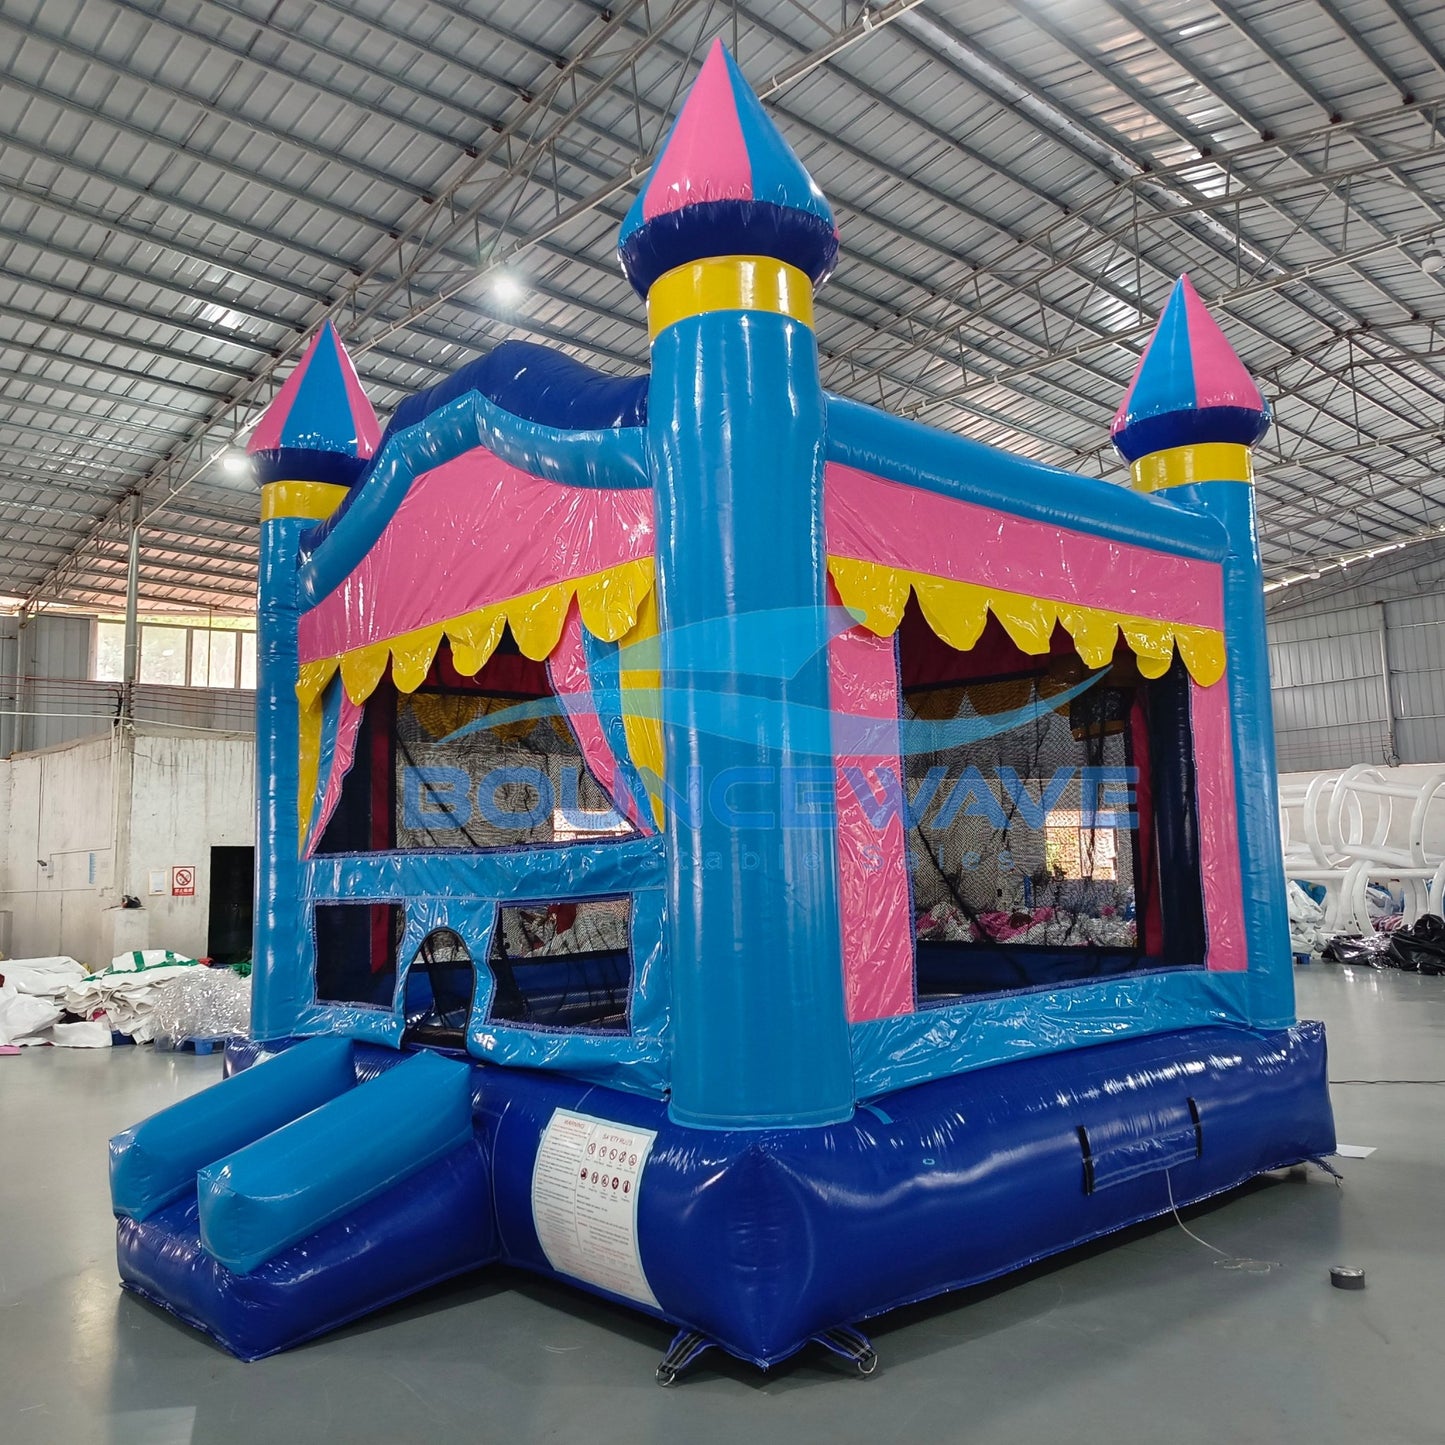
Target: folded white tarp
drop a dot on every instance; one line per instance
(39, 992)
(129, 990)
(44, 977)
(32, 999)
(23, 1016)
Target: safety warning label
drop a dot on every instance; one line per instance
(584, 1201)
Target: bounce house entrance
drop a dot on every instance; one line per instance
(1039, 792)
(440, 985)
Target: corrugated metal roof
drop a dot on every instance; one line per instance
(187, 189)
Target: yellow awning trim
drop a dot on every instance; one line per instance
(958, 611)
(308, 768)
(608, 602)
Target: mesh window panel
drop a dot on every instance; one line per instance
(469, 762)
(465, 782)
(356, 946)
(563, 964)
(1033, 843)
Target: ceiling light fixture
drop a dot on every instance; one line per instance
(506, 289)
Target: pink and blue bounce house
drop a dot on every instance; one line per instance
(756, 858)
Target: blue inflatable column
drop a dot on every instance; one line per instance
(310, 446)
(279, 989)
(1186, 427)
(735, 427)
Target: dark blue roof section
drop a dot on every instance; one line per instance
(529, 381)
(537, 384)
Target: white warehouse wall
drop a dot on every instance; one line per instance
(57, 848)
(148, 797)
(1332, 645)
(188, 795)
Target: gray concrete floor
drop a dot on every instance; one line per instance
(1142, 1341)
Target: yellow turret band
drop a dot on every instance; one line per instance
(314, 501)
(1182, 466)
(729, 283)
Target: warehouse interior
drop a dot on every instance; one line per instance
(193, 191)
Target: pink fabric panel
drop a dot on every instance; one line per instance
(706, 158)
(567, 671)
(343, 754)
(1220, 378)
(475, 531)
(1218, 828)
(873, 885)
(875, 520)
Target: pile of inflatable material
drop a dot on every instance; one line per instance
(145, 996)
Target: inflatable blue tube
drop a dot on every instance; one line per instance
(156, 1162)
(436, 1224)
(288, 1185)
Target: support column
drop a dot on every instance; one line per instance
(130, 670)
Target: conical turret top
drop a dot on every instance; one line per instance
(320, 426)
(725, 183)
(1189, 387)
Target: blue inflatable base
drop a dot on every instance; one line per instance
(425, 1230)
(762, 1240)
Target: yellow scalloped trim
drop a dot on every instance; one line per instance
(957, 612)
(609, 602)
(308, 769)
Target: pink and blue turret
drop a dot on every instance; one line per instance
(309, 447)
(727, 240)
(1186, 426)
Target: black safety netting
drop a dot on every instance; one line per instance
(565, 964)
(464, 781)
(1033, 850)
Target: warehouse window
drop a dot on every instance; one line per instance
(174, 652)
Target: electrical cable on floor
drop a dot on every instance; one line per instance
(1225, 1260)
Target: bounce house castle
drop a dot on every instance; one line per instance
(756, 858)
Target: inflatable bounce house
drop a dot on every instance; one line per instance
(753, 857)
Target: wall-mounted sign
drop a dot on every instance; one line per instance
(183, 881)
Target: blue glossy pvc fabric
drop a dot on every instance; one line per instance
(762, 1239)
(156, 1161)
(325, 1164)
(436, 1224)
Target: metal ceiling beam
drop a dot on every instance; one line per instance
(196, 210)
(208, 106)
(126, 342)
(1042, 111)
(417, 233)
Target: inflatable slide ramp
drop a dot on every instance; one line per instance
(288, 1199)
